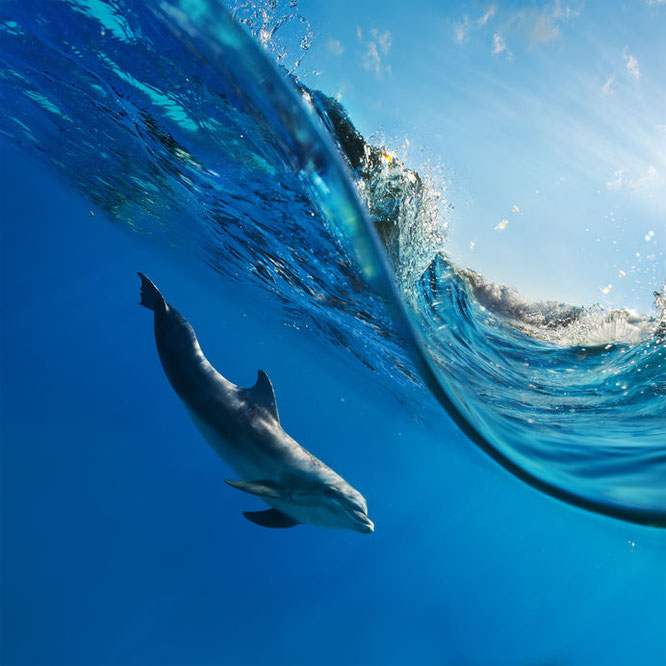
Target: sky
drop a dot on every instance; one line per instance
(545, 122)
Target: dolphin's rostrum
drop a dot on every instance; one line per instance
(243, 427)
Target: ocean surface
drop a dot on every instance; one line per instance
(513, 453)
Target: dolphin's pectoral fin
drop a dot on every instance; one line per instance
(263, 395)
(261, 488)
(270, 518)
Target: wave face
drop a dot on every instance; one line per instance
(173, 121)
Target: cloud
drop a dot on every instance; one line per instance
(377, 47)
(632, 64)
(539, 24)
(384, 39)
(607, 88)
(499, 45)
(617, 180)
(651, 177)
(545, 23)
(490, 12)
(335, 47)
(620, 180)
(461, 30)
(654, 3)
(372, 61)
(545, 30)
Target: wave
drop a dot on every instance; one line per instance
(564, 324)
(178, 125)
(405, 210)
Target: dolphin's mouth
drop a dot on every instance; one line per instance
(356, 510)
(363, 523)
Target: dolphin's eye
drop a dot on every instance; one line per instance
(331, 492)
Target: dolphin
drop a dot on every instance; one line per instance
(243, 427)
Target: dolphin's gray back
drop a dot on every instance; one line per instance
(242, 432)
(194, 379)
(184, 363)
(221, 411)
(209, 397)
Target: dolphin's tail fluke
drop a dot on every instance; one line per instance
(150, 295)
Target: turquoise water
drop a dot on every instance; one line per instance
(121, 543)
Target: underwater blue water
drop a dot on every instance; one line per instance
(120, 541)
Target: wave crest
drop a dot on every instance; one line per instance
(560, 323)
(408, 209)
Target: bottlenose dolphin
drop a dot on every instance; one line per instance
(243, 427)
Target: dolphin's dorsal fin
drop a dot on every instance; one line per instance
(270, 518)
(261, 488)
(263, 395)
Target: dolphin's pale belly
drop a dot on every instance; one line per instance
(242, 458)
(309, 514)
